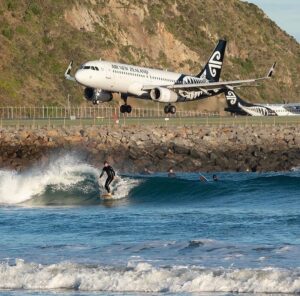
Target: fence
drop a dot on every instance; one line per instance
(110, 116)
(52, 112)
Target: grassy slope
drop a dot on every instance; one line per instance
(38, 38)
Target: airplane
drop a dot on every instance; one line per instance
(102, 79)
(238, 106)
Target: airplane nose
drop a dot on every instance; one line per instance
(79, 76)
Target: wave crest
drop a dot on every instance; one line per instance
(144, 277)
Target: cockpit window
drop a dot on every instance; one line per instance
(89, 67)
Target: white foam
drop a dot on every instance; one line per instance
(62, 173)
(295, 169)
(144, 277)
(122, 186)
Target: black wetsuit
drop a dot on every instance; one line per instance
(110, 176)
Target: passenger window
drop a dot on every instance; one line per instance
(97, 68)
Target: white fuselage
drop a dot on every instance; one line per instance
(115, 77)
(123, 78)
(272, 109)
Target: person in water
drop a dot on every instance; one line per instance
(110, 175)
(171, 173)
(146, 171)
(215, 178)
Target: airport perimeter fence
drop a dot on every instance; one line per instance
(111, 116)
(97, 112)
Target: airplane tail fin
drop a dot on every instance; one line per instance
(213, 68)
(233, 99)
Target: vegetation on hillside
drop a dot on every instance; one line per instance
(38, 38)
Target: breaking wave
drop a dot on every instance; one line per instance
(62, 181)
(144, 277)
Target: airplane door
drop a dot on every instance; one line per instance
(109, 77)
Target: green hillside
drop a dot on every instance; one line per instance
(38, 38)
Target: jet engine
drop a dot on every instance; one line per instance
(97, 95)
(163, 95)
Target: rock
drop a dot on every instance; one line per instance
(134, 153)
(73, 139)
(181, 149)
(52, 133)
(228, 148)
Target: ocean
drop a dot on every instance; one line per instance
(160, 235)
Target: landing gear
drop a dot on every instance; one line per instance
(170, 109)
(125, 108)
(96, 102)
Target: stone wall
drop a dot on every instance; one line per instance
(132, 149)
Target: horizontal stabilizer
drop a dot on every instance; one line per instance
(68, 72)
(271, 71)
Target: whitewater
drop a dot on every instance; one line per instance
(160, 235)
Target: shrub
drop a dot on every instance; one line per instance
(35, 9)
(8, 33)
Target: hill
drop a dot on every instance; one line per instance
(39, 38)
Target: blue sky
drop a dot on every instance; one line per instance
(286, 13)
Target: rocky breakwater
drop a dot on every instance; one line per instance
(132, 149)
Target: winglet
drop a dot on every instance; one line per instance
(271, 71)
(68, 72)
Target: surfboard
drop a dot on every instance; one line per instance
(106, 196)
(203, 178)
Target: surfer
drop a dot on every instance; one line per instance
(215, 178)
(146, 171)
(110, 175)
(171, 173)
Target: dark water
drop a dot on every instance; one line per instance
(160, 235)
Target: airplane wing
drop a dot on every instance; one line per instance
(205, 87)
(68, 72)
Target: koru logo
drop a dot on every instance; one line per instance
(215, 63)
(231, 97)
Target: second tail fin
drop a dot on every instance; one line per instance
(233, 100)
(213, 68)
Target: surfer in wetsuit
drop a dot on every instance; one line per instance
(215, 178)
(110, 175)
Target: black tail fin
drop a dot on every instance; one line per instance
(213, 68)
(235, 103)
(233, 99)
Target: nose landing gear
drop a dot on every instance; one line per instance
(125, 108)
(170, 109)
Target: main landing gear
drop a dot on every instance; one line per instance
(170, 109)
(125, 108)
